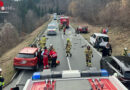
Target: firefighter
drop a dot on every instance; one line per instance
(64, 29)
(51, 47)
(107, 51)
(68, 48)
(43, 41)
(53, 56)
(88, 53)
(1, 80)
(45, 58)
(97, 43)
(125, 52)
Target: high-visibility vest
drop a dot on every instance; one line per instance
(1, 81)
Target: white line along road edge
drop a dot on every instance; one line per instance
(20, 77)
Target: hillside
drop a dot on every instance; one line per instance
(6, 60)
(119, 37)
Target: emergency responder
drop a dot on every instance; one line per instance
(125, 52)
(68, 48)
(42, 51)
(45, 58)
(97, 43)
(43, 41)
(64, 29)
(1, 80)
(39, 57)
(51, 47)
(53, 56)
(88, 53)
(107, 51)
(49, 58)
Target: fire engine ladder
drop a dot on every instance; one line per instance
(49, 84)
(96, 84)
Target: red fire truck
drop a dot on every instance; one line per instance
(64, 21)
(26, 59)
(73, 80)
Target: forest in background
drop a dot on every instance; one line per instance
(102, 12)
(26, 15)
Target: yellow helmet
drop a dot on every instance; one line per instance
(68, 39)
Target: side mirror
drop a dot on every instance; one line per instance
(15, 88)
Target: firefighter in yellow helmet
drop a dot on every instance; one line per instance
(88, 54)
(68, 48)
(125, 52)
(43, 42)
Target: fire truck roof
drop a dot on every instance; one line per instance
(29, 50)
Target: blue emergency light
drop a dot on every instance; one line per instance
(36, 76)
(104, 73)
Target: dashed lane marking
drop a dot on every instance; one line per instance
(88, 43)
(69, 63)
(62, 36)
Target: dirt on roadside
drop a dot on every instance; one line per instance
(6, 60)
(119, 37)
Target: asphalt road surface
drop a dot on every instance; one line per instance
(76, 62)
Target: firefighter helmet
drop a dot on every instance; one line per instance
(125, 49)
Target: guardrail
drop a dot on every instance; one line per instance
(34, 42)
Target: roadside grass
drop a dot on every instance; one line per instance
(119, 37)
(6, 60)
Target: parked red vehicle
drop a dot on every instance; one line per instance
(27, 59)
(82, 29)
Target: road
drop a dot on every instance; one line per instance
(76, 62)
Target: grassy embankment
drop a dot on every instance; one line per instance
(119, 37)
(6, 60)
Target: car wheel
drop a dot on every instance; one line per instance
(15, 69)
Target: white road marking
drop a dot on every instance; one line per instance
(20, 77)
(69, 63)
(62, 36)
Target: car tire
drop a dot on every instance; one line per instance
(15, 69)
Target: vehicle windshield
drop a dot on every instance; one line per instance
(51, 27)
(21, 55)
(127, 74)
(106, 39)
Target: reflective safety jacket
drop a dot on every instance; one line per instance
(125, 53)
(68, 46)
(1, 81)
(88, 54)
(43, 40)
(53, 54)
